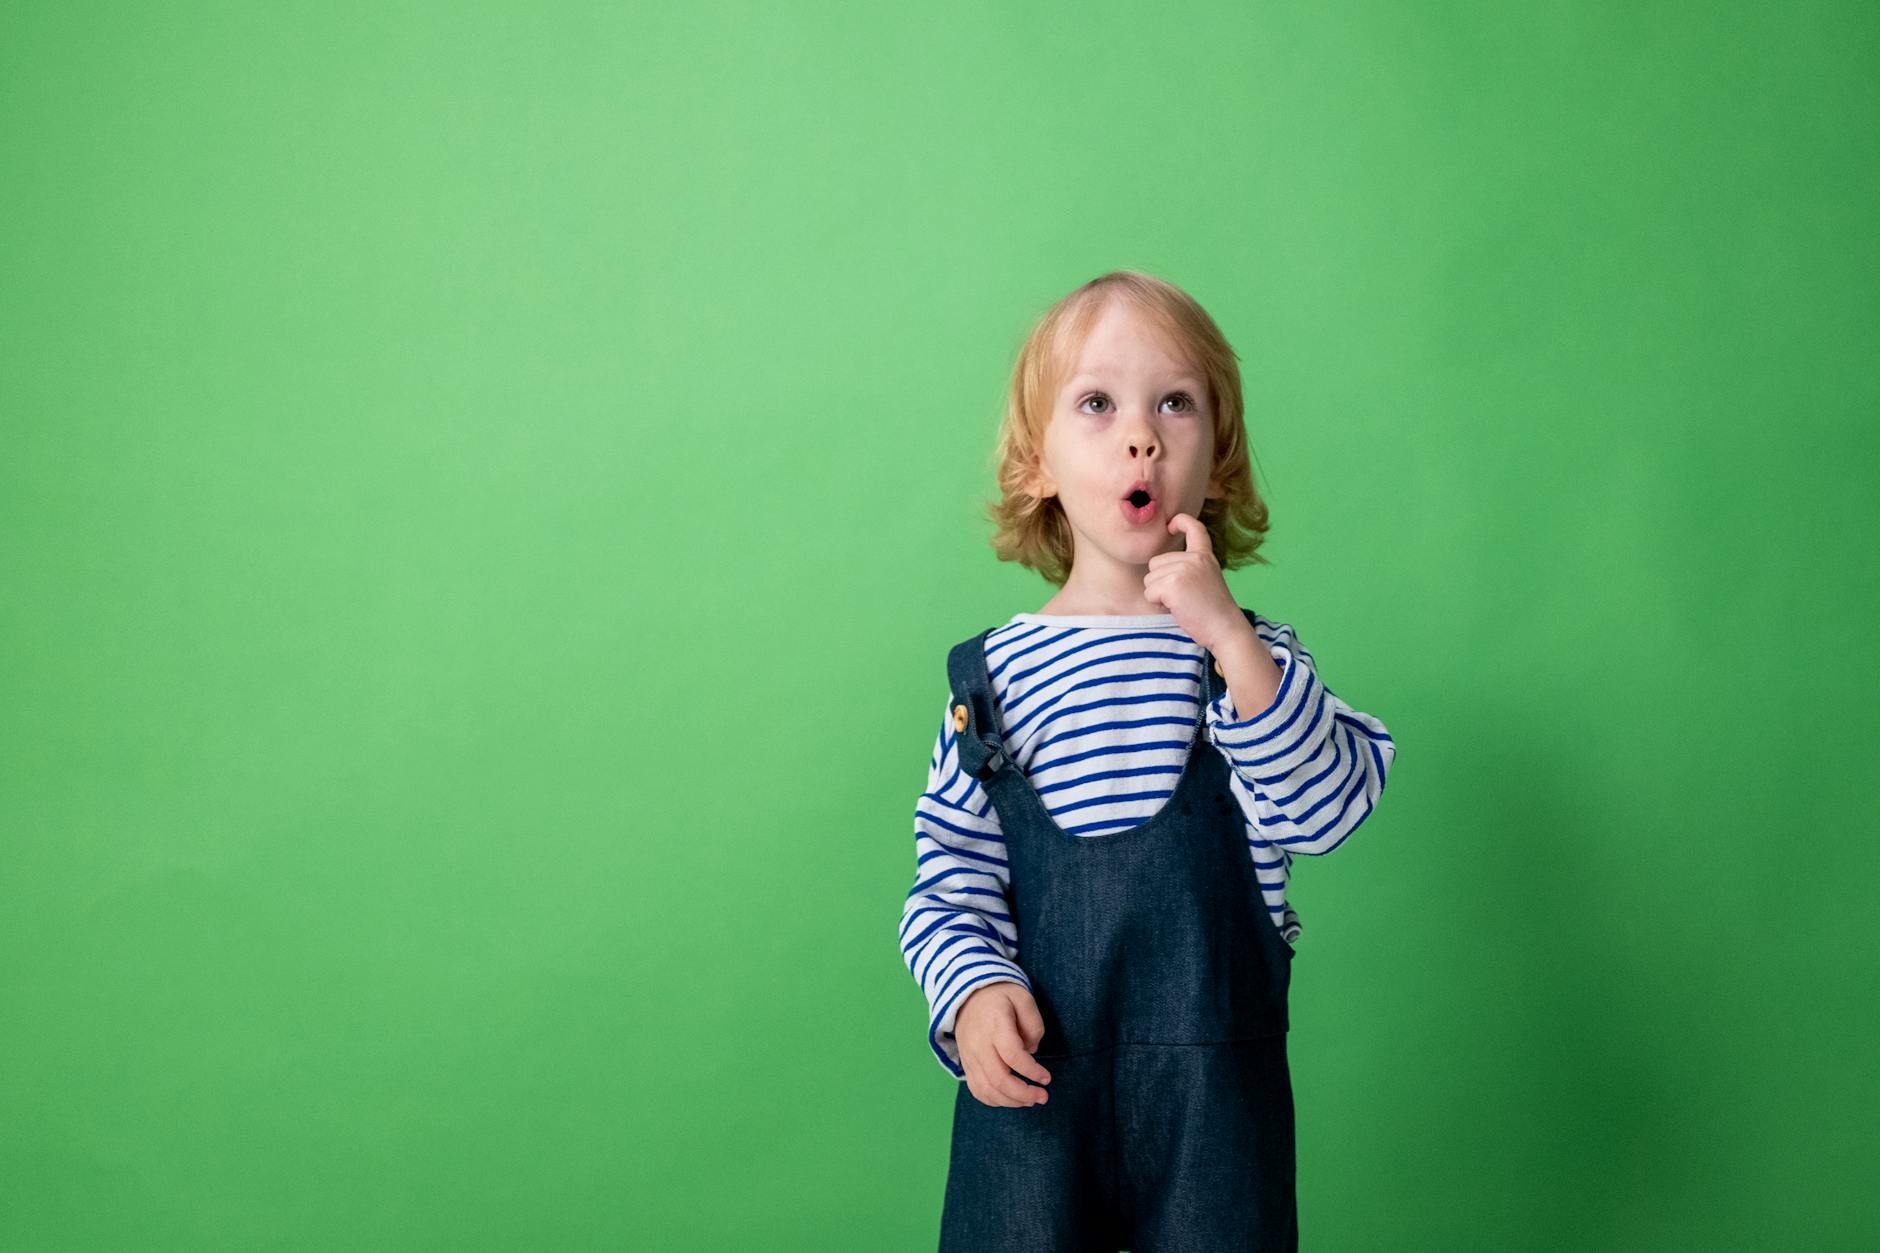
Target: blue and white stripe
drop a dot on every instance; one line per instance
(1098, 711)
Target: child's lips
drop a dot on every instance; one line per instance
(1143, 516)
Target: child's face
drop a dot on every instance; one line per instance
(1128, 412)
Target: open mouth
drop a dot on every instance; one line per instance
(1139, 505)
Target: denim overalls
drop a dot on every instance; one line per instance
(1162, 982)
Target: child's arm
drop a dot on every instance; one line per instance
(1313, 765)
(956, 932)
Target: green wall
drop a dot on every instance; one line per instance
(486, 491)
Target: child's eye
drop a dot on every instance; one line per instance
(1171, 396)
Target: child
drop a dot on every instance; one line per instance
(1099, 917)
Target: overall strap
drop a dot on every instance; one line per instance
(980, 743)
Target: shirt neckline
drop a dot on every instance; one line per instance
(1113, 621)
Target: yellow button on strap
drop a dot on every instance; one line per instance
(959, 717)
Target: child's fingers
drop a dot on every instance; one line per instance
(1194, 534)
(1019, 1058)
(990, 1057)
(993, 1083)
(1014, 1056)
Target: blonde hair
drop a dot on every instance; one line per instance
(1034, 531)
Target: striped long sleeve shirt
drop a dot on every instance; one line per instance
(1098, 711)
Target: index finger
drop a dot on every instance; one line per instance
(1194, 534)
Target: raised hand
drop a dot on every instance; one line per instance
(1189, 584)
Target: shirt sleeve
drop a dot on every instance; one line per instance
(957, 932)
(1312, 765)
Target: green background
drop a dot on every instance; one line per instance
(487, 489)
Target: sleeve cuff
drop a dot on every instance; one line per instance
(1285, 732)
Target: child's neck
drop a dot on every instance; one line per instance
(1062, 607)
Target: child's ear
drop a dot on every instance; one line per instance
(1039, 484)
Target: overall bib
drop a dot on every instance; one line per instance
(1162, 982)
